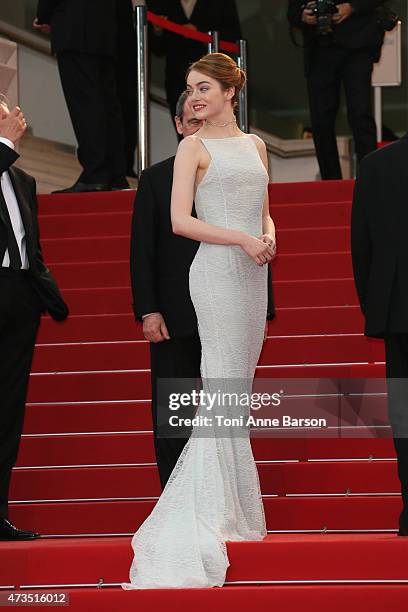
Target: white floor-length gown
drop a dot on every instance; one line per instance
(213, 494)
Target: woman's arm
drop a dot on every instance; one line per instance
(182, 197)
(268, 226)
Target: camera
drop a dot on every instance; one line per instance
(324, 10)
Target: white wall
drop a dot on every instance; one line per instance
(41, 97)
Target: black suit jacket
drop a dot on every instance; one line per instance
(41, 279)
(379, 242)
(360, 30)
(88, 26)
(160, 260)
(221, 15)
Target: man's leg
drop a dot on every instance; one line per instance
(396, 359)
(357, 73)
(19, 320)
(323, 86)
(81, 82)
(115, 145)
(175, 358)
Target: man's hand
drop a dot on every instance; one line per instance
(154, 328)
(191, 26)
(13, 125)
(344, 11)
(309, 17)
(43, 27)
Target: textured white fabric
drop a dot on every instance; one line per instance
(213, 494)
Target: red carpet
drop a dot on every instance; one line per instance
(86, 463)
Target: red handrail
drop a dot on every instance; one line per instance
(166, 24)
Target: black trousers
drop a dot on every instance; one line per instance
(330, 66)
(90, 90)
(396, 356)
(174, 358)
(20, 312)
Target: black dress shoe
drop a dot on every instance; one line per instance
(80, 187)
(9, 532)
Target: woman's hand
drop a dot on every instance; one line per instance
(271, 241)
(260, 252)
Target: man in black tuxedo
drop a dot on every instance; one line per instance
(346, 55)
(26, 290)
(84, 38)
(180, 52)
(160, 262)
(379, 250)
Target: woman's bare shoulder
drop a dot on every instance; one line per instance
(258, 141)
(190, 144)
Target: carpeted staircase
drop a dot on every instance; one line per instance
(86, 476)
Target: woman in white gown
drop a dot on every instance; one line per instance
(213, 494)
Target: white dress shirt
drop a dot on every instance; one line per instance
(188, 7)
(15, 215)
(149, 313)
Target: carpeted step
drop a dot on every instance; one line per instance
(76, 275)
(287, 294)
(314, 597)
(127, 354)
(305, 477)
(313, 240)
(84, 224)
(87, 417)
(82, 203)
(99, 300)
(117, 448)
(97, 327)
(282, 513)
(351, 411)
(311, 191)
(288, 322)
(135, 385)
(68, 250)
(113, 248)
(277, 557)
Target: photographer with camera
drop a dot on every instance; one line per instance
(342, 41)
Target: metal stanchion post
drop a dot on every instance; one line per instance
(243, 94)
(142, 86)
(214, 44)
(378, 111)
